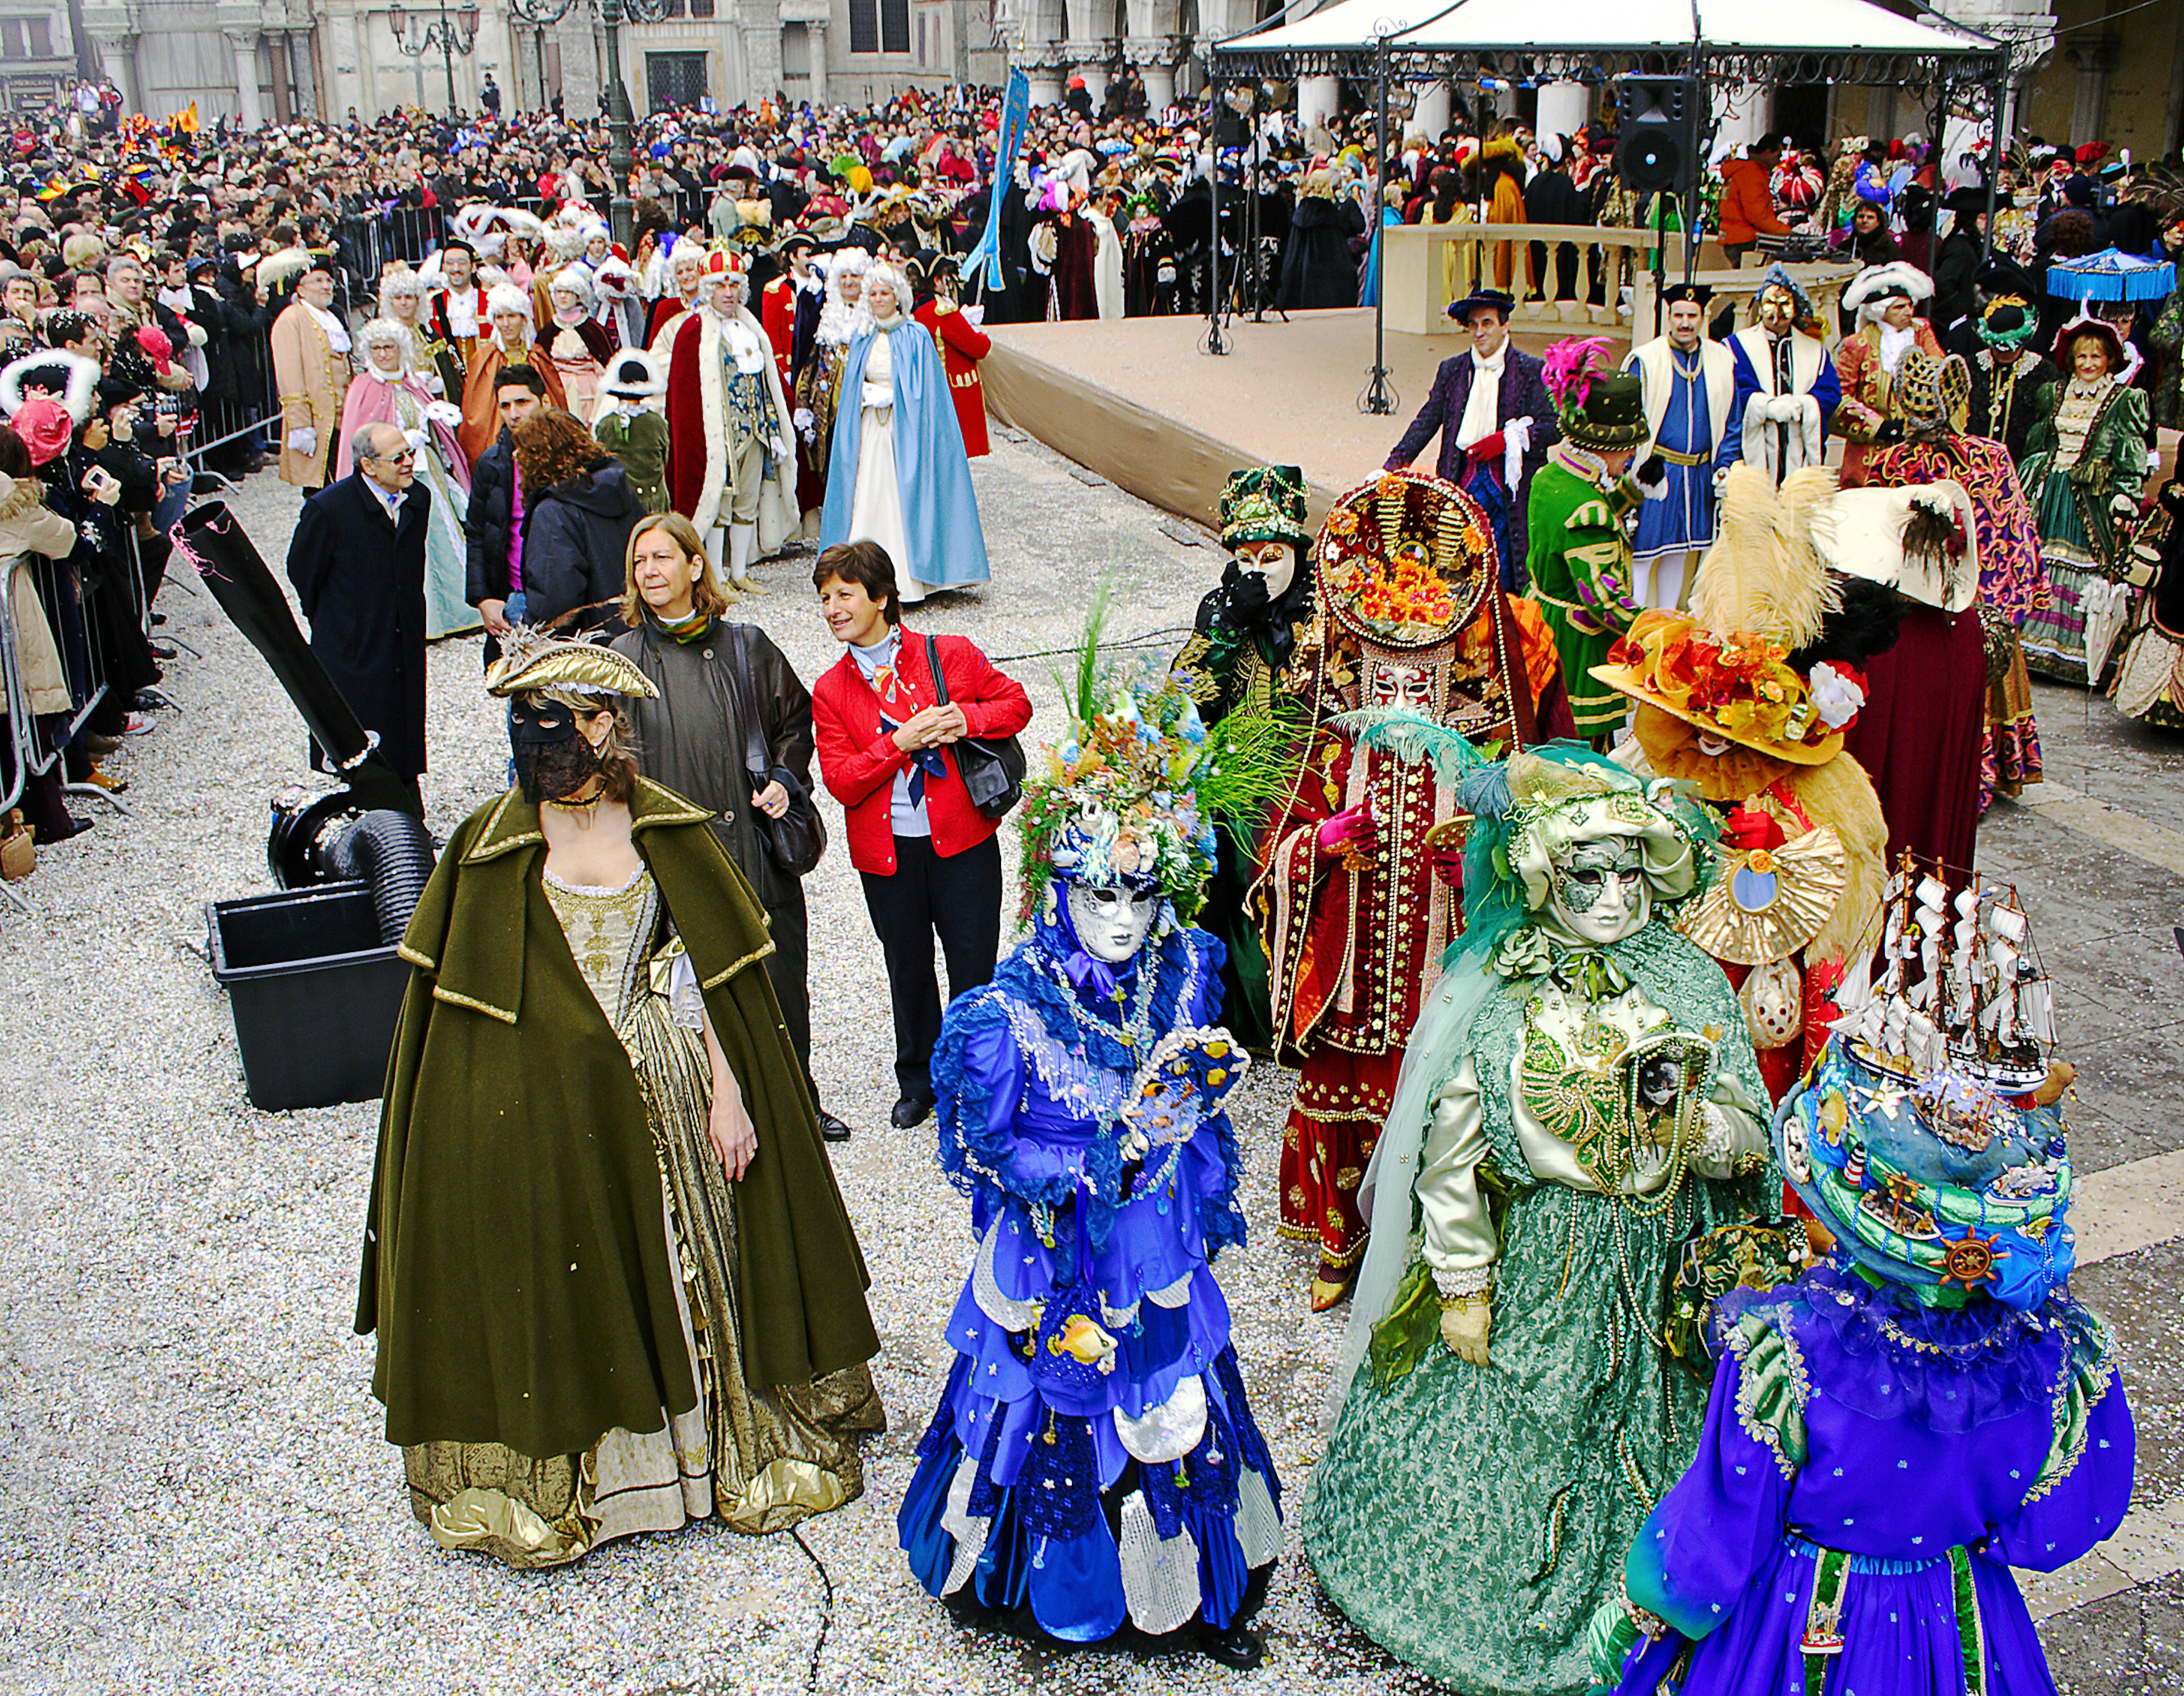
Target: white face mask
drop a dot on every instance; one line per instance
(1275, 561)
(1600, 893)
(1112, 925)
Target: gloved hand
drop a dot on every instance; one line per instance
(975, 314)
(1447, 863)
(1352, 831)
(1746, 827)
(1653, 472)
(1465, 1322)
(2124, 506)
(777, 448)
(803, 421)
(304, 441)
(1488, 448)
(433, 383)
(416, 439)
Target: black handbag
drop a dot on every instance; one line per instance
(795, 841)
(993, 771)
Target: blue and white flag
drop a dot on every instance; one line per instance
(1016, 113)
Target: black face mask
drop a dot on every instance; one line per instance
(553, 760)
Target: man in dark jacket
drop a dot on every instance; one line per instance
(731, 730)
(358, 563)
(495, 543)
(1490, 437)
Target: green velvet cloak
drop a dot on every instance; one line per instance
(515, 1257)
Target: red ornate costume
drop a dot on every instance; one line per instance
(962, 345)
(1410, 620)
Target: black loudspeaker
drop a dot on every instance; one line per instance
(1655, 119)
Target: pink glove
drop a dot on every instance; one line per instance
(1354, 831)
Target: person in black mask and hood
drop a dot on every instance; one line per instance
(1244, 633)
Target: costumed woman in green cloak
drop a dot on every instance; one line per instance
(1579, 1098)
(613, 1280)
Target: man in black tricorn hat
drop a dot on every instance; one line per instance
(1495, 422)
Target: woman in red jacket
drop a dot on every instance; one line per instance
(926, 855)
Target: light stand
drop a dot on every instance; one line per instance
(449, 35)
(621, 120)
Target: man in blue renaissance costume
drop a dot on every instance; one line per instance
(1890, 1434)
(897, 473)
(1787, 388)
(1690, 384)
(1094, 1473)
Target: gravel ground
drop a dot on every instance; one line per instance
(200, 1496)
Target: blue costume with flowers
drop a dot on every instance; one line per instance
(1093, 1463)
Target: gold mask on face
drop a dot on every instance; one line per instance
(1778, 310)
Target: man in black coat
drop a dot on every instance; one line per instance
(494, 557)
(1508, 430)
(358, 563)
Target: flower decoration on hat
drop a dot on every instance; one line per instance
(1404, 560)
(1131, 797)
(1265, 503)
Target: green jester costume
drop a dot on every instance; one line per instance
(1579, 1100)
(1579, 564)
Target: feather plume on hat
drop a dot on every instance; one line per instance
(1568, 369)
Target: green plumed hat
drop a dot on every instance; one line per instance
(1265, 503)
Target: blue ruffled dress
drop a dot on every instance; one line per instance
(1933, 1449)
(1134, 1489)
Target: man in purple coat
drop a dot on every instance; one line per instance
(1497, 423)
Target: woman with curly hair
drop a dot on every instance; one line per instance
(577, 529)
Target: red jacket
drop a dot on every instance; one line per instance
(962, 345)
(858, 761)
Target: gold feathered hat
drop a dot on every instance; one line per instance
(532, 661)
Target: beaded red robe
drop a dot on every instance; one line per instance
(1354, 949)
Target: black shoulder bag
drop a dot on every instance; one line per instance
(993, 771)
(796, 841)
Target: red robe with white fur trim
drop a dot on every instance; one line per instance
(697, 432)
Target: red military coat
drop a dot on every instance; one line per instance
(962, 345)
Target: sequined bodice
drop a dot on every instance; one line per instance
(610, 934)
(2073, 422)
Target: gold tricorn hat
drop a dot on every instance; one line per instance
(534, 660)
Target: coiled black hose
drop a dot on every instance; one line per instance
(390, 851)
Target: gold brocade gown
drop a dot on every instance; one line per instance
(763, 1459)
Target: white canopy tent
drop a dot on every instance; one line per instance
(1589, 29)
(1725, 42)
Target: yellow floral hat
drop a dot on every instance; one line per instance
(1740, 687)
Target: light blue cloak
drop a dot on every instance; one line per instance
(939, 511)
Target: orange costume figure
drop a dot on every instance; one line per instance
(1361, 893)
(1748, 697)
(962, 345)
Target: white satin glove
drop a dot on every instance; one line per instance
(433, 383)
(803, 421)
(1516, 436)
(416, 439)
(975, 314)
(777, 448)
(304, 441)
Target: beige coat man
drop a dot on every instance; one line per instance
(311, 373)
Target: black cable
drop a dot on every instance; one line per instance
(826, 1610)
(1144, 641)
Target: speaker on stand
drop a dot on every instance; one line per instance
(1661, 124)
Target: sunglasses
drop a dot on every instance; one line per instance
(407, 456)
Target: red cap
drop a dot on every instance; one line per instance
(45, 427)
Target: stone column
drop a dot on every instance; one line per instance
(1430, 116)
(1318, 99)
(815, 34)
(116, 60)
(243, 45)
(303, 71)
(1564, 109)
(1158, 69)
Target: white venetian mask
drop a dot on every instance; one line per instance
(1112, 925)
